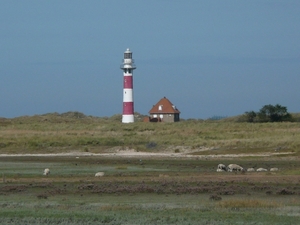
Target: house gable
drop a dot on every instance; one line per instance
(164, 106)
(165, 111)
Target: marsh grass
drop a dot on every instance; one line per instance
(45, 211)
(121, 167)
(140, 195)
(247, 203)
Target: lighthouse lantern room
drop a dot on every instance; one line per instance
(128, 107)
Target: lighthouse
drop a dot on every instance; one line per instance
(128, 67)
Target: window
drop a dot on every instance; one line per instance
(127, 55)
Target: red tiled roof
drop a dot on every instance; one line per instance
(164, 106)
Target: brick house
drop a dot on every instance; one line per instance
(164, 111)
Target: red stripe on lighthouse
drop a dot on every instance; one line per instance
(127, 108)
(128, 82)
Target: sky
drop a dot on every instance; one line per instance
(209, 58)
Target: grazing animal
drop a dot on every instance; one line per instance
(274, 169)
(261, 170)
(99, 174)
(221, 167)
(234, 167)
(250, 170)
(46, 172)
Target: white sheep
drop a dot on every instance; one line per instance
(274, 169)
(234, 167)
(250, 170)
(46, 172)
(261, 170)
(221, 167)
(99, 174)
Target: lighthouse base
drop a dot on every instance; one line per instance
(127, 118)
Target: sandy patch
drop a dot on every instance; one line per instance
(133, 153)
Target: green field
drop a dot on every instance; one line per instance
(158, 191)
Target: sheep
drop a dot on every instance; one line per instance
(274, 169)
(250, 170)
(261, 170)
(234, 167)
(221, 167)
(99, 174)
(46, 172)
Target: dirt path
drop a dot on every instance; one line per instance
(132, 154)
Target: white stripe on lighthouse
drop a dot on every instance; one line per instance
(127, 95)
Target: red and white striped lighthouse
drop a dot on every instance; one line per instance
(128, 67)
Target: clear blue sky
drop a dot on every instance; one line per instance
(210, 58)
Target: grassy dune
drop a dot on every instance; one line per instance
(56, 133)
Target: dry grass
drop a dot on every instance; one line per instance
(55, 133)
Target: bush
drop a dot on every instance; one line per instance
(151, 145)
(269, 113)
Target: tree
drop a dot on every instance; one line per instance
(250, 116)
(277, 113)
